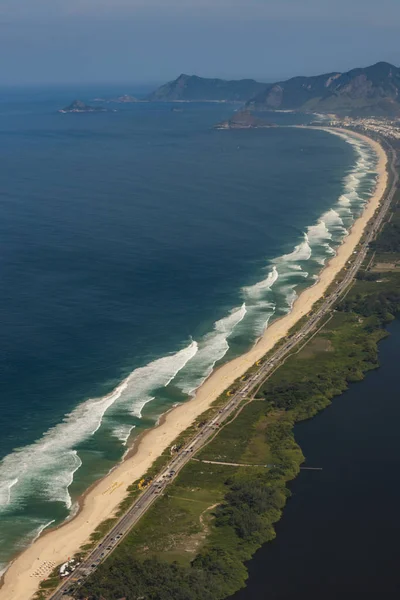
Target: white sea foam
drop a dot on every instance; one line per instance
(332, 220)
(143, 382)
(363, 170)
(3, 568)
(301, 252)
(283, 277)
(344, 200)
(55, 486)
(37, 528)
(259, 289)
(40, 530)
(261, 314)
(122, 432)
(318, 234)
(329, 228)
(212, 348)
(45, 469)
(5, 491)
(290, 294)
(319, 240)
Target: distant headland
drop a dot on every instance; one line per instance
(369, 91)
(124, 99)
(244, 119)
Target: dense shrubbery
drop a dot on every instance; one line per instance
(154, 579)
(246, 506)
(390, 240)
(253, 502)
(382, 305)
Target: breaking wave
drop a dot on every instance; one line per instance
(212, 348)
(122, 432)
(258, 289)
(287, 273)
(46, 468)
(140, 386)
(301, 252)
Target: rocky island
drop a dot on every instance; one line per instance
(77, 106)
(244, 119)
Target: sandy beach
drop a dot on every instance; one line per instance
(35, 563)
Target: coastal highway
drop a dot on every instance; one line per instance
(209, 429)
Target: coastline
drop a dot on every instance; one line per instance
(101, 500)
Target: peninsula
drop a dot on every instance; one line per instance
(244, 119)
(190, 88)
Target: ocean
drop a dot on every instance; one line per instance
(139, 249)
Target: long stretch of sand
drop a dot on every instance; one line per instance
(22, 578)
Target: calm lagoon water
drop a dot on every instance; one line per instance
(338, 537)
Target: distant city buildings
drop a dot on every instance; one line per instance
(382, 126)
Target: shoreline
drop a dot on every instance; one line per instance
(101, 500)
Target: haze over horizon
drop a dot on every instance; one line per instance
(149, 41)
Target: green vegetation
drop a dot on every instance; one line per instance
(372, 90)
(389, 241)
(211, 520)
(193, 542)
(367, 91)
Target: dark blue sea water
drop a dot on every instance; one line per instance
(138, 248)
(338, 537)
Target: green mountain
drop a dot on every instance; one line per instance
(366, 91)
(372, 90)
(192, 88)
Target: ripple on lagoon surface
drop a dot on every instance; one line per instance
(140, 249)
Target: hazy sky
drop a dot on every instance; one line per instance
(156, 40)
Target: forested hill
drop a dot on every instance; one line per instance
(373, 90)
(192, 88)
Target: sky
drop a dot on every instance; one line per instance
(153, 41)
